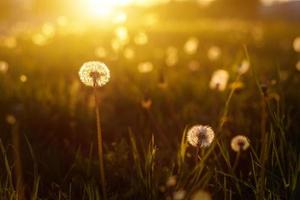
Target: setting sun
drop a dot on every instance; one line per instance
(105, 7)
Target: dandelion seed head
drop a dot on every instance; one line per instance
(201, 195)
(219, 80)
(239, 143)
(200, 136)
(94, 73)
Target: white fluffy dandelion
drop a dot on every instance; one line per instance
(200, 136)
(239, 143)
(94, 73)
(219, 80)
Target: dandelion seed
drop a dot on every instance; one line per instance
(171, 182)
(214, 53)
(201, 195)
(94, 73)
(179, 195)
(298, 65)
(200, 136)
(239, 143)
(244, 67)
(191, 46)
(10, 119)
(219, 80)
(23, 78)
(3, 67)
(296, 44)
(145, 67)
(141, 38)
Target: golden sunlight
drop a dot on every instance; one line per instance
(105, 7)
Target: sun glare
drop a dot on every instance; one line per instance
(105, 7)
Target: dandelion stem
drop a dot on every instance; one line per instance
(100, 144)
(236, 161)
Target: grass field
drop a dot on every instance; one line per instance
(160, 87)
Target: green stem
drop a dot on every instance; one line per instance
(100, 145)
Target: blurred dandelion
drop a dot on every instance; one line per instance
(219, 80)
(214, 53)
(3, 67)
(23, 78)
(201, 195)
(96, 74)
(240, 143)
(243, 67)
(146, 103)
(145, 67)
(179, 195)
(296, 44)
(171, 182)
(200, 136)
(191, 46)
(141, 38)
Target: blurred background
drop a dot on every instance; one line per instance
(162, 55)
